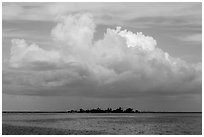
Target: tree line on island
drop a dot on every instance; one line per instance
(108, 110)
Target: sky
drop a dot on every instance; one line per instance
(62, 56)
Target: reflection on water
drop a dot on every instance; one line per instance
(106, 123)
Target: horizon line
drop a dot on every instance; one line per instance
(24, 111)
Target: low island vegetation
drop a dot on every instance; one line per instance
(108, 110)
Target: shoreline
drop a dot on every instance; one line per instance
(86, 113)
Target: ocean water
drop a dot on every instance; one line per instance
(106, 123)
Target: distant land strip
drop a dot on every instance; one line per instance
(85, 112)
(98, 110)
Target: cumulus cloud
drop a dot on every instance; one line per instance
(121, 64)
(23, 54)
(74, 29)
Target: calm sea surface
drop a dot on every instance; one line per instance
(106, 123)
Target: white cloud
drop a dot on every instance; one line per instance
(120, 64)
(23, 54)
(74, 29)
(192, 38)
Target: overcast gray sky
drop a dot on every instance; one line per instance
(59, 56)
